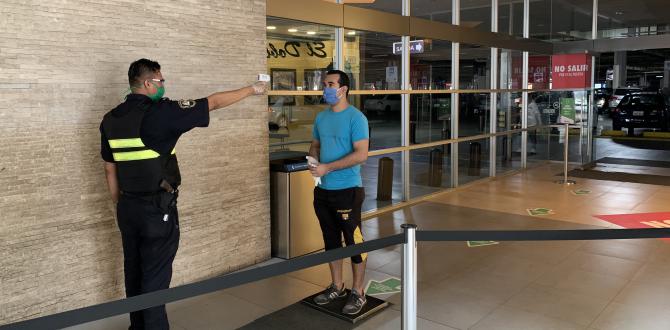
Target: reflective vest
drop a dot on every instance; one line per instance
(139, 169)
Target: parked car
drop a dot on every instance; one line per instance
(618, 94)
(642, 110)
(382, 104)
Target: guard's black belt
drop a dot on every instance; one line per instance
(141, 193)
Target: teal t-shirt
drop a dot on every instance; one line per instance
(337, 132)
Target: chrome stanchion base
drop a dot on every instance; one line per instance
(566, 182)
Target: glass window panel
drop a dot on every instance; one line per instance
(571, 20)
(473, 160)
(430, 117)
(290, 122)
(560, 20)
(539, 150)
(539, 71)
(384, 118)
(430, 170)
(508, 153)
(510, 69)
(549, 106)
(474, 112)
(369, 58)
(298, 55)
(475, 67)
(390, 6)
(543, 108)
(476, 14)
(620, 19)
(509, 111)
(371, 173)
(439, 11)
(431, 68)
(510, 17)
(540, 19)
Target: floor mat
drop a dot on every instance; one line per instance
(621, 177)
(635, 162)
(299, 316)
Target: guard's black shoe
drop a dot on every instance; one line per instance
(330, 294)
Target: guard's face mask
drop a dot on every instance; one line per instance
(160, 91)
(330, 95)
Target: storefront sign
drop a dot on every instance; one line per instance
(538, 72)
(415, 47)
(568, 112)
(571, 71)
(296, 49)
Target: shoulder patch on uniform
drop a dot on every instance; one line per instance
(186, 104)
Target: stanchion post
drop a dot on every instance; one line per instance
(435, 168)
(385, 179)
(566, 141)
(409, 278)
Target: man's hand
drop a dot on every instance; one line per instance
(260, 87)
(319, 170)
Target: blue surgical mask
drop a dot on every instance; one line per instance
(330, 95)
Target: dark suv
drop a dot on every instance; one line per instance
(642, 110)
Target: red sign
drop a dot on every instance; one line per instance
(538, 72)
(639, 220)
(571, 71)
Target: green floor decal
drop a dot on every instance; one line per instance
(389, 285)
(481, 243)
(540, 211)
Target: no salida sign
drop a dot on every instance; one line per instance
(571, 71)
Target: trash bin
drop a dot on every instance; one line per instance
(295, 229)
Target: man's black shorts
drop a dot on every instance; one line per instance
(339, 213)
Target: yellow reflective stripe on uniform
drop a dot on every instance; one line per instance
(126, 143)
(174, 151)
(358, 238)
(135, 155)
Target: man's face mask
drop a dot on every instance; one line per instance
(330, 95)
(160, 90)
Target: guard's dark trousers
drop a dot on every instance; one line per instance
(150, 242)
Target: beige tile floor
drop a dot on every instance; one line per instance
(617, 284)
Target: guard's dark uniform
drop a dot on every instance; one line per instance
(140, 137)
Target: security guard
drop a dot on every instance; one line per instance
(138, 147)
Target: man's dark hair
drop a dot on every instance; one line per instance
(140, 69)
(343, 80)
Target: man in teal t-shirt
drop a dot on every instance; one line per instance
(340, 143)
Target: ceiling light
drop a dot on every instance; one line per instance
(311, 33)
(351, 33)
(270, 27)
(292, 30)
(619, 12)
